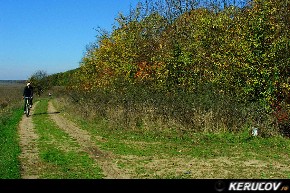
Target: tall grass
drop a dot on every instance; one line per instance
(144, 109)
(10, 99)
(10, 96)
(246, 156)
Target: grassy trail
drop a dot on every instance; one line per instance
(48, 152)
(60, 155)
(67, 152)
(198, 155)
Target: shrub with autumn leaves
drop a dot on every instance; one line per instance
(239, 48)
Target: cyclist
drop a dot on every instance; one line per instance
(28, 92)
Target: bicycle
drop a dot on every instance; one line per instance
(27, 105)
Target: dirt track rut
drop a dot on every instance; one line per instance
(84, 139)
(29, 152)
(29, 158)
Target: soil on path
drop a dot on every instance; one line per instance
(29, 157)
(104, 159)
(29, 153)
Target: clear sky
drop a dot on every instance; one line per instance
(51, 35)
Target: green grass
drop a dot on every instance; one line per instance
(239, 148)
(203, 145)
(62, 158)
(9, 145)
(11, 111)
(60, 154)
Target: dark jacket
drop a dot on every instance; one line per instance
(28, 91)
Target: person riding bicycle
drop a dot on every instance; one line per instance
(28, 92)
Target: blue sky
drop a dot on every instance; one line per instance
(51, 35)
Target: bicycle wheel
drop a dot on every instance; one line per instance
(27, 110)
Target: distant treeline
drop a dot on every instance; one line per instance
(12, 81)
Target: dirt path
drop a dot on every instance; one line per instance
(30, 161)
(189, 167)
(104, 159)
(29, 153)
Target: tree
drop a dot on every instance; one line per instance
(39, 81)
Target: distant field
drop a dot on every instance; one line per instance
(10, 94)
